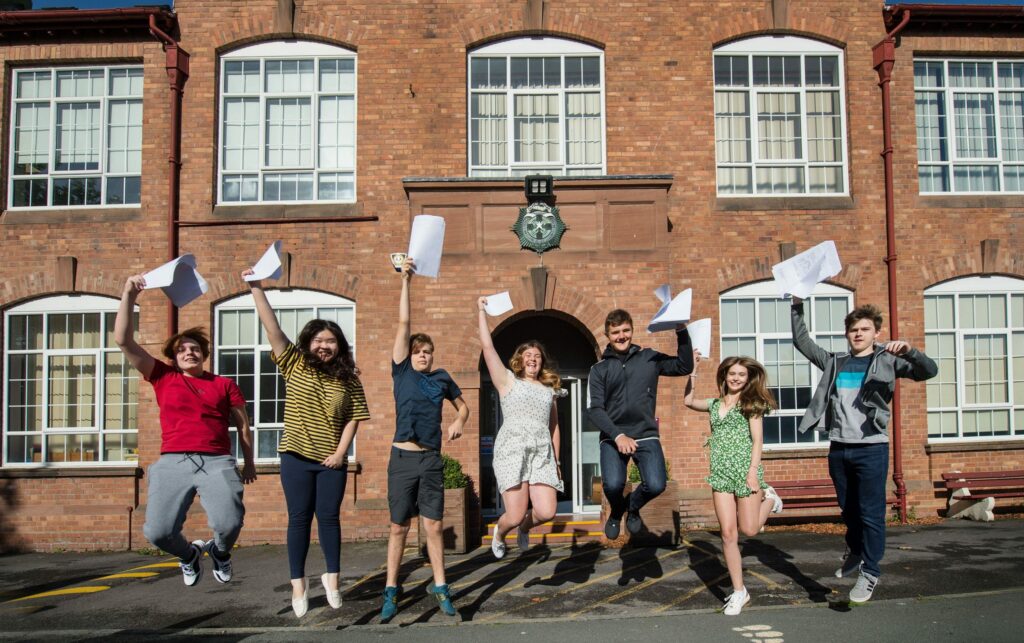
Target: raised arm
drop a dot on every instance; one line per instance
(682, 362)
(124, 327)
(278, 340)
(802, 339)
(401, 348)
(499, 376)
(689, 399)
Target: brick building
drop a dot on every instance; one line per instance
(329, 125)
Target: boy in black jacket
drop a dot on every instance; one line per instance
(623, 390)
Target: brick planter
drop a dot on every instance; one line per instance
(455, 536)
(660, 516)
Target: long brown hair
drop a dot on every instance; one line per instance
(547, 376)
(755, 398)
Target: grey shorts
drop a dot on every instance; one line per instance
(415, 485)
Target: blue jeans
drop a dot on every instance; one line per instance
(651, 462)
(859, 473)
(311, 489)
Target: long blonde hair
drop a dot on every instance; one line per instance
(547, 376)
(755, 398)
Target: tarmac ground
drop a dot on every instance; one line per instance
(948, 581)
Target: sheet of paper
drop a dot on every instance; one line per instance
(426, 241)
(700, 336)
(800, 274)
(269, 265)
(179, 280)
(498, 304)
(673, 310)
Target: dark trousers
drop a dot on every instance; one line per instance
(649, 460)
(311, 488)
(859, 473)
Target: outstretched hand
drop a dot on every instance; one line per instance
(481, 303)
(252, 284)
(897, 348)
(408, 268)
(134, 285)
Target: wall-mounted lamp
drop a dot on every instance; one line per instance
(539, 187)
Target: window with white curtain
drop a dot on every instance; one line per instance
(970, 125)
(70, 397)
(780, 118)
(755, 322)
(242, 352)
(288, 124)
(536, 106)
(76, 137)
(974, 330)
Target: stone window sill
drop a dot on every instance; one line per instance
(771, 203)
(961, 447)
(70, 215)
(70, 472)
(287, 210)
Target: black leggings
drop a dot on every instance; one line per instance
(310, 487)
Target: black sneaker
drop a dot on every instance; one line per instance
(612, 526)
(634, 525)
(221, 565)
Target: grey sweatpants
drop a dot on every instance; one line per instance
(174, 480)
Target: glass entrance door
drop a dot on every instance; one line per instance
(580, 453)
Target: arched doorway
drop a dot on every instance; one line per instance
(573, 350)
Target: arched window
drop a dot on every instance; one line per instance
(70, 397)
(536, 106)
(755, 322)
(974, 330)
(287, 124)
(780, 125)
(241, 352)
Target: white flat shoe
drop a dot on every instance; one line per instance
(333, 595)
(301, 605)
(497, 546)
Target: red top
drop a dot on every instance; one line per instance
(194, 411)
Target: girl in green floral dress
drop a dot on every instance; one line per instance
(742, 499)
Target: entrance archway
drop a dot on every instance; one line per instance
(573, 350)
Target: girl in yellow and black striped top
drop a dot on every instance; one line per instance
(324, 403)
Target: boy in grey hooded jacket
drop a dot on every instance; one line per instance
(851, 404)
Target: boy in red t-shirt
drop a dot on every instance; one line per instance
(195, 449)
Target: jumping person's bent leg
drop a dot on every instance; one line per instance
(220, 492)
(298, 479)
(650, 459)
(613, 482)
(170, 493)
(330, 489)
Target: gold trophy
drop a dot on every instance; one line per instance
(397, 259)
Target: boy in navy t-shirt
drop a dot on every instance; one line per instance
(415, 470)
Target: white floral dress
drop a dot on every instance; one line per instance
(522, 450)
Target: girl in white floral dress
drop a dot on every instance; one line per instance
(742, 499)
(526, 450)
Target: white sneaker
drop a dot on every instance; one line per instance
(221, 567)
(301, 605)
(192, 571)
(497, 545)
(333, 595)
(865, 587)
(770, 493)
(522, 539)
(734, 604)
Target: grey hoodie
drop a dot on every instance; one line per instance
(875, 392)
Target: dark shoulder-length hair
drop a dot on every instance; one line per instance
(342, 366)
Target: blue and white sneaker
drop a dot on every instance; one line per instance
(192, 570)
(221, 566)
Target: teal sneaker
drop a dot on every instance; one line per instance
(390, 606)
(443, 596)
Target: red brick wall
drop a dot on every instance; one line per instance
(412, 122)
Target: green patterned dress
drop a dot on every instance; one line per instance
(731, 447)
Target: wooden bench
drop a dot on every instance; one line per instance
(811, 494)
(985, 484)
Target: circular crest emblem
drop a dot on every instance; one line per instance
(539, 227)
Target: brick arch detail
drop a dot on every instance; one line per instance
(558, 22)
(565, 300)
(37, 285)
(747, 25)
(326, 28)
(327, 280)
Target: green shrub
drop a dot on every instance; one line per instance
(454, 478)
(633, 474)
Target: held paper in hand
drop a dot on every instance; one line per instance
(179, 280)
(269, 265)
(800, 274)
(700, 336)
(673, 311)
(426, 241)
(498, 304)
